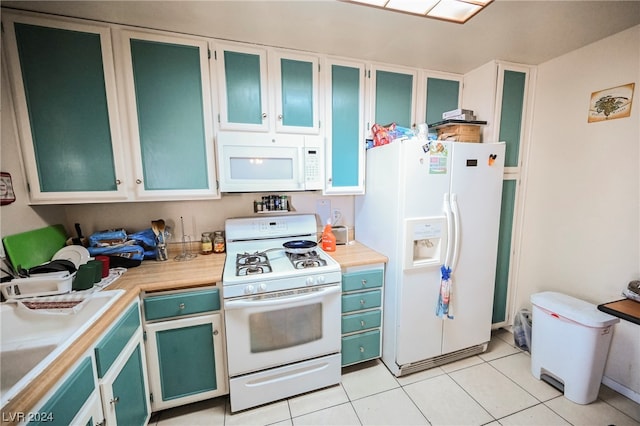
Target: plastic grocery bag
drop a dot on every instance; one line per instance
(522, 330)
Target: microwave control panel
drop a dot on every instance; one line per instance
(312, 169)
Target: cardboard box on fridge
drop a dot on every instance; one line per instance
(460, 133)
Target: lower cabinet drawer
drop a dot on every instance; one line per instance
(360, 347)
(361, 321)
(180, 304)
(358, 301)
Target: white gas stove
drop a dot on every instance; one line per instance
(282, 310)
(258, 263)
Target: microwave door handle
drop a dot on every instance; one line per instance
(260, 303)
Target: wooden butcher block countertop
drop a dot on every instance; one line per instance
(153, 276)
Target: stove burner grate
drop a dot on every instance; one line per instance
(252, 264)
(306, 260)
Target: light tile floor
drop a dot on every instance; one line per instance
(494, 388)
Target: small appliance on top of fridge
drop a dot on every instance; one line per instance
(429, 205)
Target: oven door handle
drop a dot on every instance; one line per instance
(240, 304)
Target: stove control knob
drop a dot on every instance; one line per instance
(321, 279)
(249, 289)
(311, 281)
(262, 287)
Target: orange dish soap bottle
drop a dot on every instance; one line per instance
(328, 239)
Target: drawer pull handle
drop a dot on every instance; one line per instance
(115, 400)
(362, 302)
(362, 323)
(181, 306)
(361, 349)
(364, 283)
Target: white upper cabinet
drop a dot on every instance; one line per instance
(165, 86)
(267, 89)
(64, 90)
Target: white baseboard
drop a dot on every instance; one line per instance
(634, 396)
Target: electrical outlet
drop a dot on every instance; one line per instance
(336, 216)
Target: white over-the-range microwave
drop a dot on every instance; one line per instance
(255, 162)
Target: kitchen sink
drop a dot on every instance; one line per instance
(36, 332)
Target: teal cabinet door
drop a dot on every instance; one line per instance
(129, 391)
(68, 399)
(394, 97)
(185, 359)
(296, 93)
(171, 129)
(511, 114)
(512, 109)
(345, 117)
(507, 211)
(65, 102)
(242, 88)
(442, 95)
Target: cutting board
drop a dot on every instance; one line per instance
(36, 247)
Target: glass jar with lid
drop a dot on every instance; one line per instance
(218, 242)
(206, 245)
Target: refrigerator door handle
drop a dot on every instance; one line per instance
(455, 212)
(449, 215)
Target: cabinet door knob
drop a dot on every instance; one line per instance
(181, 306)
(361, 349)
(362, 302)
(215, 332)
(138, 181)
(118, 181)
(279, 116)
(364, 283)
(362, 323)
(264, 115)
(115, 400)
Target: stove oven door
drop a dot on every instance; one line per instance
(281, 328)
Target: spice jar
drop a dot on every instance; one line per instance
(218, 242)
(206, 244)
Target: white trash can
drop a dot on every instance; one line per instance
(569, 344)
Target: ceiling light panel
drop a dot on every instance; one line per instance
(454, 10)
(379, 3)
(419, 7)
(458, 11)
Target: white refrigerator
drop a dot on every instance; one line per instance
(425, 206)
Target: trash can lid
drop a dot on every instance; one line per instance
(577, 310)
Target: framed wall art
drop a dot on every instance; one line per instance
(610, 104)
(7, 196)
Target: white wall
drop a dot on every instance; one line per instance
(582, 207)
